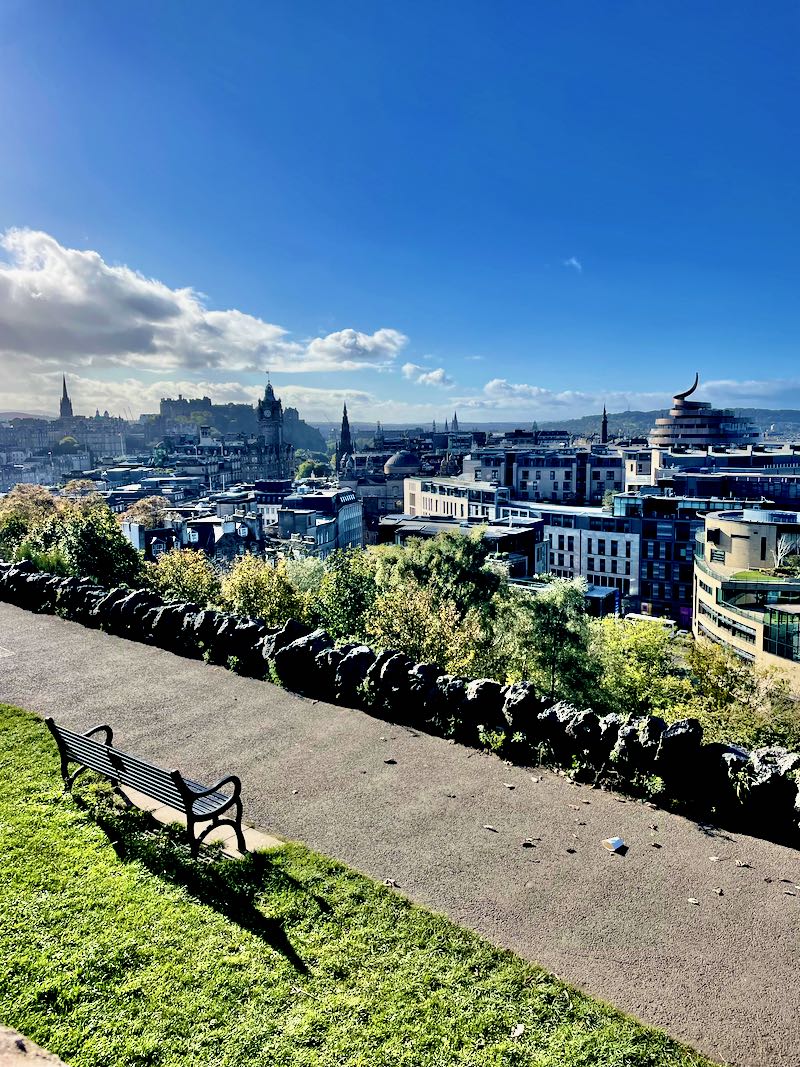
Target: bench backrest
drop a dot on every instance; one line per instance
(127, 770)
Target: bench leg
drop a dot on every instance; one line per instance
(240, 841)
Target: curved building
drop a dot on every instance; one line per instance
(742, 598)
(694, 424)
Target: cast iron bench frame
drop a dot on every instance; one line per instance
(195, 801)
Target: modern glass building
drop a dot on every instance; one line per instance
(744, 595)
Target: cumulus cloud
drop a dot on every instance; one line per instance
(574, 264)
(68, 307)
(415, 373)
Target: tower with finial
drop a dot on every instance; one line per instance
(345, 446)
(454, 423)
(446, 427)
(276, 460)
(604, 427)
(65, 407)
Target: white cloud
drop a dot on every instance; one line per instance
(65, 307)
(574, 263)
(415, 373)
(436, 377)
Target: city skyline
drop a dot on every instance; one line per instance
(485, 212)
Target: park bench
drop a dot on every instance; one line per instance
(198, 803)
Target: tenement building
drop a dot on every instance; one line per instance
(692, 423)
(744, 598)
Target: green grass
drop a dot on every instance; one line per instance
(117, 949)
(755, 576)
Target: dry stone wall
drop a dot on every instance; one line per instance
(756, 791)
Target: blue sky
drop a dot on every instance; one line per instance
(520, 209)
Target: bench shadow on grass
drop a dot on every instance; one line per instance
(229, 886)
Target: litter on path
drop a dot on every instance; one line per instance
(613, 844)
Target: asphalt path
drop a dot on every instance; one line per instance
(448, 825)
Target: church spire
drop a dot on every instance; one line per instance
(65, 407)
(345, 441)
(454, 423)
(604, 427)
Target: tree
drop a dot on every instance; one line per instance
(67, 446)
(637, 665)
(187, 575)
(411, 617)
(452, 566)
(785, 546)
(347, 593)
(257, 588)
(85, 533)
(739, 703)
(149, 512)
(544, 638)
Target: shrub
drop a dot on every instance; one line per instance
(260, 589)
(187, 575)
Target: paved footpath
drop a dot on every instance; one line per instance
(722, 975)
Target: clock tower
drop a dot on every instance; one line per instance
(277, 454)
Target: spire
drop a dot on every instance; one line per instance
(454, 423)
(446, 428)
(345, 441)
(65, 407)
(604, 427)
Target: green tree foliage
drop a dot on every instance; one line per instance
(187, 575)
(737, 702)
(544, 638)
(640, 667)
(313, 469)
(260, 589)
(149, 512)
(67, 446)
(305, 574)
(452, 566)
(70, 534)
(347, 593)
(412, 617)
(22, 509)
(85, 535)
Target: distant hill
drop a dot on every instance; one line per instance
(639, 423)
(786, 422)
(6, 416)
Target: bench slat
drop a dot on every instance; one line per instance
(137, 774)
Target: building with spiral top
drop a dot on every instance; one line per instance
(694, 424)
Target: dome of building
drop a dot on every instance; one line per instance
(694, 424)
(402, 463)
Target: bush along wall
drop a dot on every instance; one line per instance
(754, 791)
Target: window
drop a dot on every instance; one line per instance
(613, 566)
(570, 544)
(589, 544)
(627, 568)
(591, 564)
(763, 548)
(552, 475)
(627, 550)
(561, 541)
(602, 564)
(601, 546)
(614, 547)
(561, 559)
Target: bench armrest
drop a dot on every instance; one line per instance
(106, 729)
(231, 779)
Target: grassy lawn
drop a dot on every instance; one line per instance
(117, 949)
(755, 576)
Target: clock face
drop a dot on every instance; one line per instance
(267, 414)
